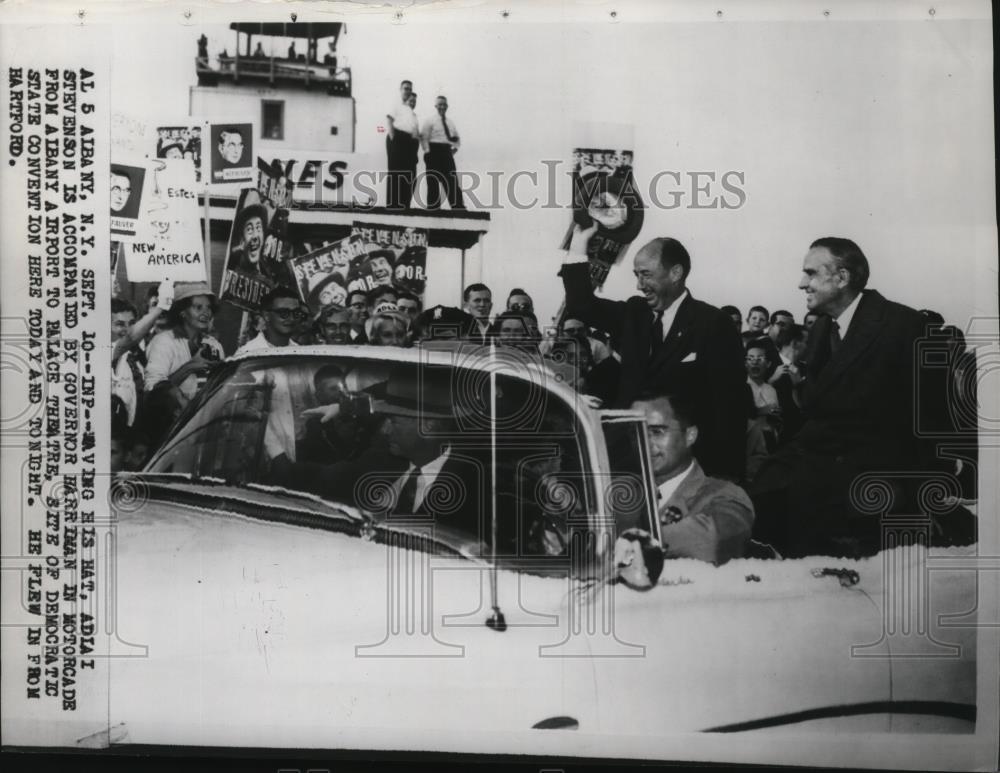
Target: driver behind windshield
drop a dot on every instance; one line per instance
(419, 471)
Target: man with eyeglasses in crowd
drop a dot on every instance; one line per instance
(520, 301)
(282, 314)
(357, 308)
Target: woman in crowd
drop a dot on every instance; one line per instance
(761, 361)
(390, 327)
(179, 357)
(127, 360)
(512, 328)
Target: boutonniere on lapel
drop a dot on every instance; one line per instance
(671, 514)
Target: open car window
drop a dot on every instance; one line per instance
(509, 471)
(630, 495)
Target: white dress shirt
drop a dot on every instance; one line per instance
(432, 131)
(404, 119)
(670, 313)
(427, 476)
(287, 400)
(847, 316)
(668, 487)
(123, 385)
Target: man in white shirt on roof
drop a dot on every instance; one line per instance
(401, 144)
(440, 141)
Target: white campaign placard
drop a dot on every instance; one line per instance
(168, 243)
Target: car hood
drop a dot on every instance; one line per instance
(235, 631)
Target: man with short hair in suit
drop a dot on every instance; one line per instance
(858, 404)
(700, 516)
(670, 342)
(416, 467)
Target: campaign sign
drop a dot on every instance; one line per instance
(349, 179)
(231, 152)
(168, 243)
(321, 276)
(126, 198)
(314, 177)
(244, 280)
(396, 255)
(273, 184)
(275, 195)
(604, 191)
(180, 139)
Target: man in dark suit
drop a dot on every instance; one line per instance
(420, 472)
(858, 407)
(440, 481)
(670, 343)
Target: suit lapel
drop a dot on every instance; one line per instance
(447, 484)
(678, 334)
(860, 335)
(817, 353)
(686, 491)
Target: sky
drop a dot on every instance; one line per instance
(879, 131)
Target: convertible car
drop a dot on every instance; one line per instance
(273, 590)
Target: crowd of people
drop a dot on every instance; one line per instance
(761, 429)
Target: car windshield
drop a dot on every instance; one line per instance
(402, 442)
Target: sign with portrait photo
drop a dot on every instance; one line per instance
(605, 192)
(274, 190)
(259, 249)
(180, 139)
(273, 184)
(231, 154)
(321, 276)
(126, 198)
(396, 255)
(244, 281)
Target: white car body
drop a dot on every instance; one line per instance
(245, 628)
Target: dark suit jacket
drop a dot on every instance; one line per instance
(791, 414)
(859, 414)
(602, 380)
(860, 402)
(456, 500)
(701, 358)
(457, 497)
